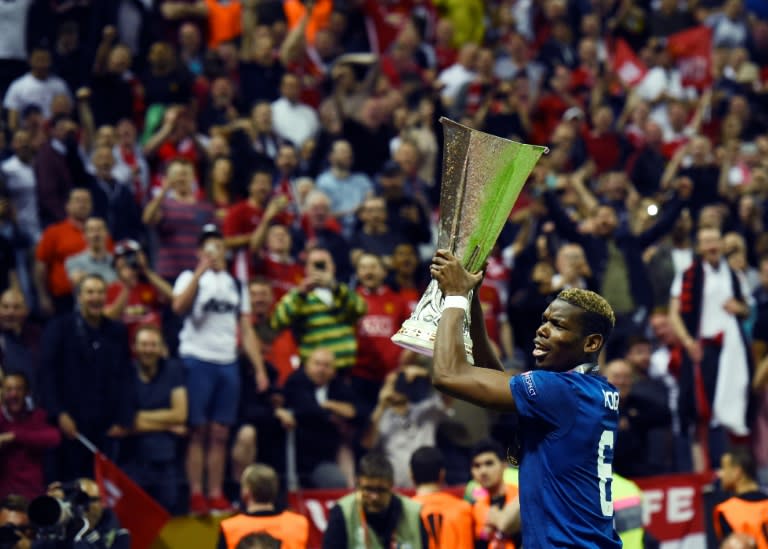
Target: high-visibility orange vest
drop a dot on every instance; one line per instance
(224, 21)
(447, 520)
(744, 517)
(290, 528)
(319, 19)
(480, 511)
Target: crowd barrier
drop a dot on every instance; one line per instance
(674, 513)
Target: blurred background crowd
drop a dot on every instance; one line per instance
(214, 214)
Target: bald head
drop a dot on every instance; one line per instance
(320, 367)
(619, 374)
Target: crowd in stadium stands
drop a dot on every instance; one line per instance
(214, 214)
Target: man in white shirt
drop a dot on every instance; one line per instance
(660, 84)
(13, 40)
(459, 74)
(20, 179)
(216, 308)
(291, 119)
(708, 303)
(37, 87)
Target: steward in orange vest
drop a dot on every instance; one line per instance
(747, 511)
(496, 513)
(258, 491)
(447, 519)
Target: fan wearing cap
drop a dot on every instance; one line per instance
(137, 296)
(217, 310)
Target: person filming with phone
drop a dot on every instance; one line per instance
(321, 311)
(217, 313)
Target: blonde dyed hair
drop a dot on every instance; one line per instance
(598, 317)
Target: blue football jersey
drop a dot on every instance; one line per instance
(567, 427)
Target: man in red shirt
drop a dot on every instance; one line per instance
(137, 296)
(376, 354)
(604, 145)
(175, 138)
(246, 223)
(276, 263)
(58, 242)
(552, 105)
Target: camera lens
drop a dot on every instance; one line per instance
(46, 511)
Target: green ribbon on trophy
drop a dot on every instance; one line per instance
(482, 177)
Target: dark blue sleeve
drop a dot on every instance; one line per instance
(175, 374)
(335, 534)
(545, 396)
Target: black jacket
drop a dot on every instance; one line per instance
(631, 246)
(114, 202)
(318, 431)
(87, 373)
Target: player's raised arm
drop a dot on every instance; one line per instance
(452, 373)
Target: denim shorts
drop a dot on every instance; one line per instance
(213, 391)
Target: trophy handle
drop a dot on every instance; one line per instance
(419, 332)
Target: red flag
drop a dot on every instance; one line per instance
(627, 66)
(141, 515)
(692, 51)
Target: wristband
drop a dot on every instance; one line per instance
(456, 302)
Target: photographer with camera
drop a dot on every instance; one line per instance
(138, 294)
(15, 532)
(73, 516)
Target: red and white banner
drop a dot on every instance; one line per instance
(141, 515)
(692, 51)
(627, 66)
(673, 510)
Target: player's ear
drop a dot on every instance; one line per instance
(593, 343)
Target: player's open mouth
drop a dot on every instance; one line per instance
(539, 350)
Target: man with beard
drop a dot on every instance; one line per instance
(346, 189)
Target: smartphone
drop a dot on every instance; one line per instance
(211, 249)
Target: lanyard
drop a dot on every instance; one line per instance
(364, 526)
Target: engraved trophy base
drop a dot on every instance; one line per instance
(419, 332)
(482, 177)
